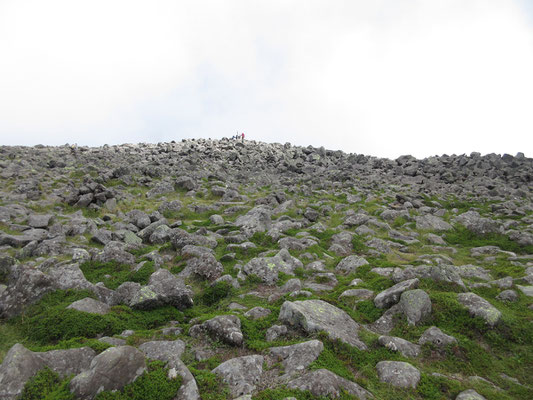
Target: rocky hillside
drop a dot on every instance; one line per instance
(221, 269)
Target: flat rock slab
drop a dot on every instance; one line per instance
(241, 374)
(325, 383)
(398, 374)
(416, 305)
(317, 315)
(297, 357)
(479, 307)
(226, 328)
(391, 296)
(90, 306)
(164, 350)
(350, 264)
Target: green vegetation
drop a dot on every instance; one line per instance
(466, 238)
(113, 274)
(47, 385)
(49, 322)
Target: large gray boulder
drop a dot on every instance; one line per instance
(20, 364)
(267, 268)
(398, 374)
(391, 296)
(163, 289)
(297, 357)
(416, 305)
(350, 264)
(258, 219)
(242, 374)
(475, 223)
(479, 307)
(317, 315)
(226, 328)
(112, 369)
(206, 266)
(325, 383)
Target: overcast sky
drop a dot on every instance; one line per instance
(380, 77)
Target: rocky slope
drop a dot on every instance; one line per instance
(221, 269)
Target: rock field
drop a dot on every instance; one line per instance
(222, 269)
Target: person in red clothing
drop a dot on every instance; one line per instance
(242, 136)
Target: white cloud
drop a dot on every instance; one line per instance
(383, 78)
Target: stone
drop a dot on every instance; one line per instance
(322, 382)
(416, 305)
(317, 315)
(206, 266)
(242, 374)
(115, 251)
(112, 369)
(163, 289)
(350, 264)
(391, 296)
(472, 221)
(508, 295)
(398, 374)
(258, 219)
(432, 223)
(112, 341)
(275, 332)
(226, 328)
(436, 337)
(169, 351)
(297, 357)
(257, 313)
(479, 307)
(20, 364)
(90, 306)
(469, 394)
(406, 348)
(363, 294)
(40, 220)
(527, 290)
(267, 268)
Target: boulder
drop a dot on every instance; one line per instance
(267, 268)
(469, 394)
(206, 266)
(406, 348)
(242, 374)
(275, 332)
(479, 307)
(437, 338)
(398, 374)
(40, 221)
(317, 315)
(20, 364)
(163, 289)
(112, 369)
(391, 296)
(350, 264)
(258, 219)
(432, 223)
(416, 305)
(257, 313)
(90, 305)
(297, 357)
(472, 221)
(226, 328)
(325, 383)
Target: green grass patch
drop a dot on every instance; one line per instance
(113, 274)
(463, 237)
(47, 385)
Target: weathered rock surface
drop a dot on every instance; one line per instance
(317, 315)
(297, 357)
(226, 328)
(398, 373)
(392, 295)
(325, 383)
(112, 369)
(242, 374)
(479, 307)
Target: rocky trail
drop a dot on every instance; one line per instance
(222, 269)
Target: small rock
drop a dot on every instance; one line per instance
(479, 307)
(242, 374)
(406, 348)
(90, 306)
(469, 394)
(436, 337)
(392, 295)
(416, 305)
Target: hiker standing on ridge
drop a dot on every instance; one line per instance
(242, 136)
